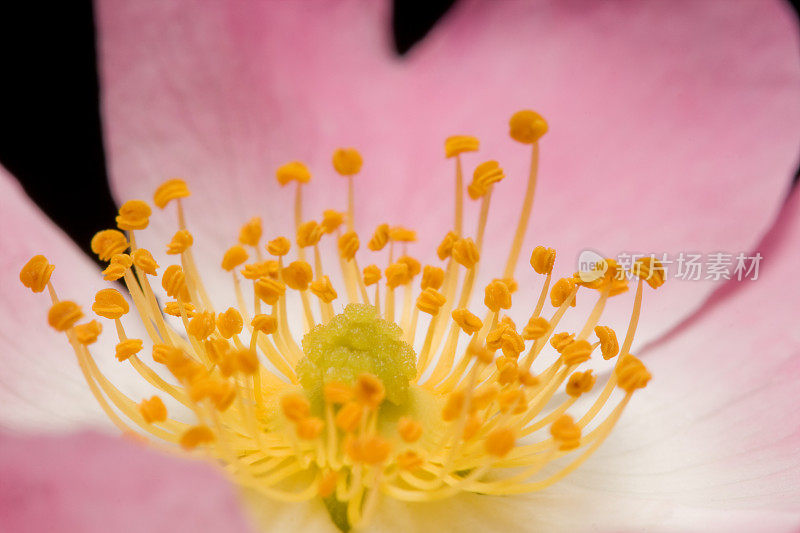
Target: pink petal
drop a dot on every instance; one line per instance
(41, 385)
(91, 483)
(672, 129)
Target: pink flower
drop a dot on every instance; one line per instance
(670, 130)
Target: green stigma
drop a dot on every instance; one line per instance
(355, 342)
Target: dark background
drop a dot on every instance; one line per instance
(49, 117)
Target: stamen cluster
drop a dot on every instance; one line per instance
(355, 401)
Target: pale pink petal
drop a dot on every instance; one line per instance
(92, 483)
(41, 386)
(674, 127)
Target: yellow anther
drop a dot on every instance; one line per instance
(458, 144)
(526, 379)
(482, 399)
(308, 234)
(409, 429)
(174, 309)
(261, 269)
(370, 450)
(108, 243)
(180, 242)
(369, 390)
(323, 289)
(494, 339)
(605, 275)
(219, 391)
(485, 175)
(63, 315)
(561, 291)
(88, 333)
(507, 370)
(153, 410)
(331, 220)
(511, 283)
(560, 341)
(125, 349)
(650, 270)
(396, 275)
(229, 323)
(580, 382)
(430, 301)
(170, 190)
(472, 425)
(445, 248)
(372, 275)
(500, 441)
(349, 416)
(295, 406)
(116, 269)
(164, 353)
(484, 354)
(537, 326)
(109, 303)
(337, 393)
(270, 290)
(497, 296)
(294, 170)
(279, 246)
(183, 367)
(144, 261)
(414, 266)
(468, 322)
(543, 259)
(402, 234)
(251, 232)
(310, 428)
(379, 238)
(347, 161)
(566, 433)
(527, 126)
(266, 324)
(512, 400)
(327, 484)
(202, 325)
(174, 282)
(217, 349)
(465, 252)
(348, 245)
(196, 436)
(512, 343)
(134, 214)
(609, 346)
(235, 256)
(409, 460)
(36, 273)
(453, 405)
(432, 277)
(631, 373)
(577, 352)
(246, 361)
(297, 275)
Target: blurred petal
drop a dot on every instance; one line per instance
(41, 386)
(92, 483)
(673, 127)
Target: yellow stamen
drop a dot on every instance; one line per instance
(352, 403)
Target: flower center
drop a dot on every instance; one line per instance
(357, 342)
(397, 387)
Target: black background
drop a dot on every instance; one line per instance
(50, 136)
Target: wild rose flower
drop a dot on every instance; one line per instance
(685, 298)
